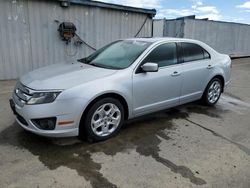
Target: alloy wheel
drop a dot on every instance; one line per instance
(214, 92)
(105, 119)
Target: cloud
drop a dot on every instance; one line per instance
(199, 3)
(210, 16)
(245, 5)
(197, 8)
(173, 13)
(136, 3)
(208, 9)
(196, 3)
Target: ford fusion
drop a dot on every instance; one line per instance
(93, 96)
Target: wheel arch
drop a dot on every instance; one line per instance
(221, 78)
(114, 95)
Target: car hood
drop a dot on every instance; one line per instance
(63, 76)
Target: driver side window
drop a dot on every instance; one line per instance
(163, 55)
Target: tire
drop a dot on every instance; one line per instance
(212, 92)
(103, 120)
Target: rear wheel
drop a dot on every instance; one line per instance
(103, 120)
(213, 92)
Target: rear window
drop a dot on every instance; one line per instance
(193, 52)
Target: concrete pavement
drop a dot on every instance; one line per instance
(187, 146)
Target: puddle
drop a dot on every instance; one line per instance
(142, 133)
(213, 112)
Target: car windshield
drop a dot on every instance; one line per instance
(117, 55)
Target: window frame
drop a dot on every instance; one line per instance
(181, 52)
(138, 68)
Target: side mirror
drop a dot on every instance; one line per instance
(150, 67)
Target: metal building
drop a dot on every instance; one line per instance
(225, 37)
(29, 35)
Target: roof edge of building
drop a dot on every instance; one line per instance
(192, 17)
(151, 12)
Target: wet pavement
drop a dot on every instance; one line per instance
(186, 146)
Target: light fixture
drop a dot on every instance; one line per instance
(64, 3)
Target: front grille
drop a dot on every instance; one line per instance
(21, 94)
(17, 100)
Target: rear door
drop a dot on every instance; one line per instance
(196, 66)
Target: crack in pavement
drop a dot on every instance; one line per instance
(240, 146)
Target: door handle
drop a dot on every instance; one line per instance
(175, 73)
(209, 66)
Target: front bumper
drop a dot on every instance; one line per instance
(64, 110)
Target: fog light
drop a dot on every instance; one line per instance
(45, 123)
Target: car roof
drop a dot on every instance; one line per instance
(163, 39)
(157, 40)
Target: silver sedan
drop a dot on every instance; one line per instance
(93, 96)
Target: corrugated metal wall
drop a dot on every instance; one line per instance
(29, 38)
(168, 28)
(158, 28)
(228, 38)
(174, 28)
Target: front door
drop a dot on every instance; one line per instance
(153, 91)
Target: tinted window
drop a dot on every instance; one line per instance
(193, 52)
(164, 55)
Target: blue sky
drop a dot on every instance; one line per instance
(224, 10)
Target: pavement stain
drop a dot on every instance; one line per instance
(196, 107)
(74, 156)
(142, 133)
(153, 150)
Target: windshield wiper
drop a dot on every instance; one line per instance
(103, 66)
(86, 61)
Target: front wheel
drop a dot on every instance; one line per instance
(103, 120)
(213, 92)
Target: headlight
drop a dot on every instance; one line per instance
(43, 97)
